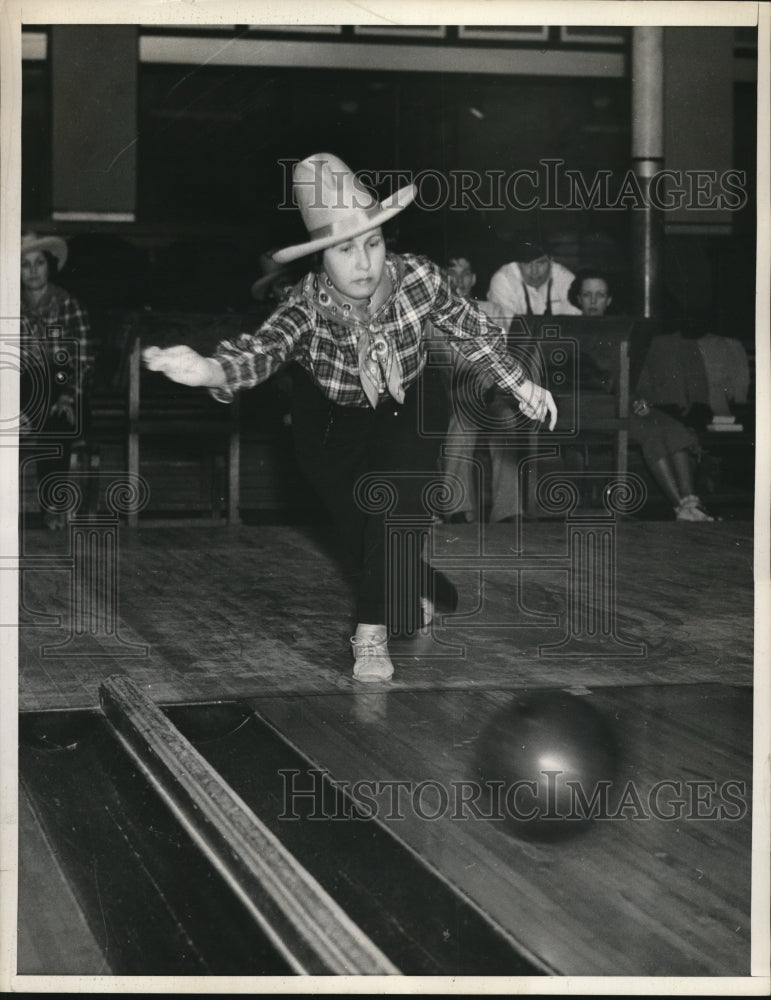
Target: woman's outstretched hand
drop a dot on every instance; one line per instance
(537, 403)
(184, 365)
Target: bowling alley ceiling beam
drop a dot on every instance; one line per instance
(345, 55)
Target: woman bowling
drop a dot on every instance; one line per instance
(354, 325)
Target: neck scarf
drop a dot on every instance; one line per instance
(379, 365)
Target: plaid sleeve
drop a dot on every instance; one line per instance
(473, 335)
(251, 358)
(77, 327)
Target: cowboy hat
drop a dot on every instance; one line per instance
(53, 244)
(335, 206)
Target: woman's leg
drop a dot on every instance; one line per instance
(331, 444)
(682, 464)
(663, 472)
(674, 475)
(458, 465)
(58, 467)
(504, 467)
(401, 452)
(667, 448)
(338, 445)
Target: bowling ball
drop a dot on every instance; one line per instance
(541, 759)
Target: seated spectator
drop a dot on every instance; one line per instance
(50, 318)
(590, 293)
(469, 393)
(728, 372)
(668, 446)
(674, 378)
(532, 285)
(275, 281)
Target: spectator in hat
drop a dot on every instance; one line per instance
(56, 340)
(533, 284)
(355, 328)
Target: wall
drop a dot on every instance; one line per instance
(205, 165)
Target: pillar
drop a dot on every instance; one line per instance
(647, 160)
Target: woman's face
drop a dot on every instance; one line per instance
(593, 298)
(34, 270)
(356, 266)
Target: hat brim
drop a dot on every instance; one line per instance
(53, 244)
(388, 209)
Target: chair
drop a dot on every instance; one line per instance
(187, 426)
(161, 430)
(587, 365)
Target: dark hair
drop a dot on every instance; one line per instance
(53, 264)
(585, 275)
(525, 250)
(389, 240)
(456, 253)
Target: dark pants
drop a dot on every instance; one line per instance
(56, 431)
(338, 445)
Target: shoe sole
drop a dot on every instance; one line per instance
(371, 678)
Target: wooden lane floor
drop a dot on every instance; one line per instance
(264, 614)
(659, 885)
(208, 613)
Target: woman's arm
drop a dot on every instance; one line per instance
(77, 327)
(482, 343)
(241, 363)
(184, 365)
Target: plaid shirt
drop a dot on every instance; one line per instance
(56, 317)
(321, 333)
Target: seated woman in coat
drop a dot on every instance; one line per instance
(669, 448)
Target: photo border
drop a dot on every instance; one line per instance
(376, 13)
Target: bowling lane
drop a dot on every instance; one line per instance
(52, 930)
(659, 885)
(146, 880)
(242, 612)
